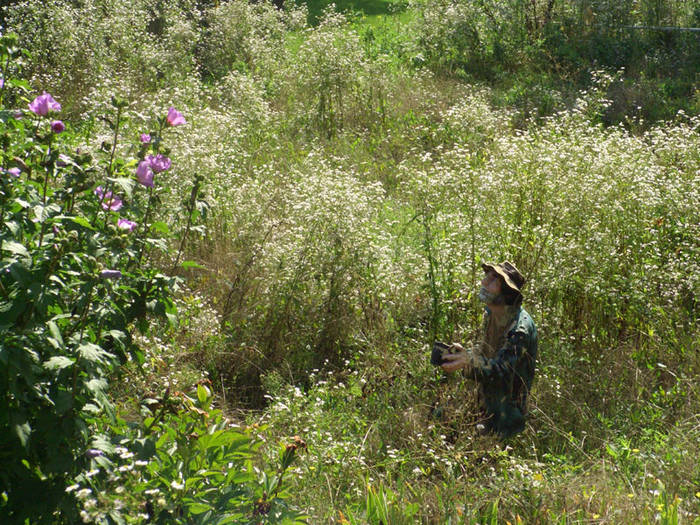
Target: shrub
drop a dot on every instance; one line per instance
(141, 45)
(242, 36)
(183, 463)
(77, 235)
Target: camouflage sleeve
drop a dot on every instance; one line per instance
(502, 366)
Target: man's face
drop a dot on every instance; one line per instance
(492, 283)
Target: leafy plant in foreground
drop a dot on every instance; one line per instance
(184, 463)
(75, 234)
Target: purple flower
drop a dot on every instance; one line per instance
(112, 202)
(158, 162)
(93, 452)
(109, 200)
(110, 274)
(144, 174)
(125, 224)
(44, 104)
(2, 82)
(14, 172)
(175, 118)
(58, 127)
(145, 138)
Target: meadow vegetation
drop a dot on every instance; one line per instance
(233, 230)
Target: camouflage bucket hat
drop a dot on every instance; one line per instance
(509, 273)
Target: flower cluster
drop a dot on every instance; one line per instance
(157, 163)
(149, 166)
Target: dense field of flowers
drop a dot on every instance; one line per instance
(219, 205)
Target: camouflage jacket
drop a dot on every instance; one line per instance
(505, 377)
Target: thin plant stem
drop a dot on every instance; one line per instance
(190, 209)
(45, 190)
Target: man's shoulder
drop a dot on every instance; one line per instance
(524, 323)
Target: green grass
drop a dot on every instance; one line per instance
(365, 7)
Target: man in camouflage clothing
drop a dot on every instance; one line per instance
(504, 362)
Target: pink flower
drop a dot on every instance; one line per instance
(57, 126)
(44, 104)
(2, 82)
(13, 172)
(109, 200)
(144, 174)
(125, 224)
(158, 162)
(145, 138)
(175, 118)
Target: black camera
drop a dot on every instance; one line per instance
(439, 350)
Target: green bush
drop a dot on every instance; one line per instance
(77, 235)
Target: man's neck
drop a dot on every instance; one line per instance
(501, 314)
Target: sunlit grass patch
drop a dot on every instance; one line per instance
(366, 7)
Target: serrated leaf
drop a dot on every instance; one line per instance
(117, 335)
(102, 442)
(91, 408)
(93, 353)
(58, 363)
(97, 385)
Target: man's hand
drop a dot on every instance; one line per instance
(458, 359)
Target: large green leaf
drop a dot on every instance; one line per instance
(80, 221)
(15, 248)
